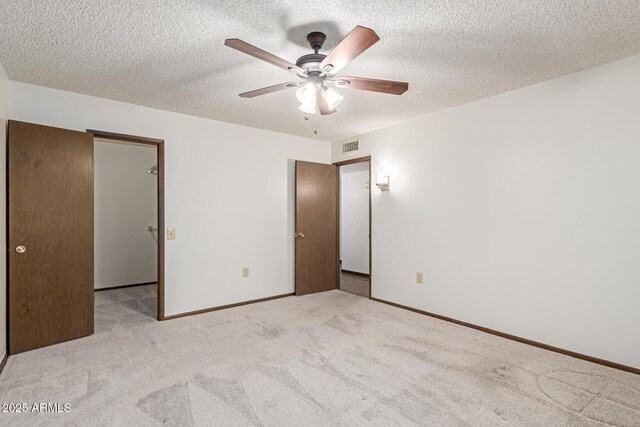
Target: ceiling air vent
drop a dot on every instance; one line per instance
(350, 146)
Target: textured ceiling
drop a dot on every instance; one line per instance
(169, 54)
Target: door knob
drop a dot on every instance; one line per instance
(298, 235)
(21, 249)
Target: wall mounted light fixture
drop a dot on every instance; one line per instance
(382, 181)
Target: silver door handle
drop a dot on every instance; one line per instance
(21, 249)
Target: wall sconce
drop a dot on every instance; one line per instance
(382, 181)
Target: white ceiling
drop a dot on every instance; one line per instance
(169, 54)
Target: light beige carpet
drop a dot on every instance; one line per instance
(323, 359)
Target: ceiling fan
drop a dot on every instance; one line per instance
(317, 71)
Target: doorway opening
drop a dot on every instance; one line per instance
(128, 232)
(355, 226)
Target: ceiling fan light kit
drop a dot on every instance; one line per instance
(332, 97)
(306, 93)
(317, 71)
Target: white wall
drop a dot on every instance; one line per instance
(354, 218)
(522, 210)
(4, 105)
(226, 193)
(125, 205)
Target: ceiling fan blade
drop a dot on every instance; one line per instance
(269, 89)
(322, 104)
(356, 42)
(256, 52)
(372, 85)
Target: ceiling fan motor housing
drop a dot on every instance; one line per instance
(311, 62)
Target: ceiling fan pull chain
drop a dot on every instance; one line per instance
(315, 123)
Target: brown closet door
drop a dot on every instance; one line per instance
(50, 214)
(316, 227)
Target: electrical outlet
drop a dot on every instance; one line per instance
(245, 271)
(420, 278)
(171, 234)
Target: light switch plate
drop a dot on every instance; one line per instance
(245, 271)
(420, 278)
(171, 234)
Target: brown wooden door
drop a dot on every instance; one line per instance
(50, 226)
(316, 227)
